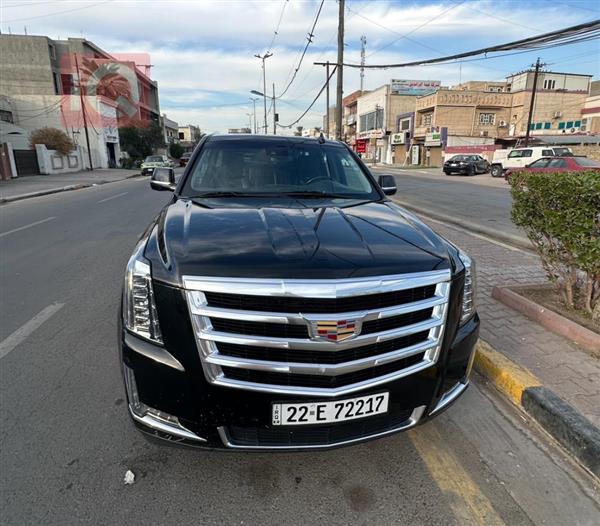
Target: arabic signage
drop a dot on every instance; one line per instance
(399, 138)
(433, 139)
(414, 87)
(361, 146)
(372, 134)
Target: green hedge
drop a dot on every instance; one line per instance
(560, 213)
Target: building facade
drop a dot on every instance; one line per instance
(170, 129)
(39, 86)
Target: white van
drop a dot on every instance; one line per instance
(521, 157)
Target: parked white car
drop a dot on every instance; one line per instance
(521, 157)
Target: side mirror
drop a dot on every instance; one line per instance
(163, 179)
(387, 184)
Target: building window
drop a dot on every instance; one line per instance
(495, 89)
(538, 125)
(6, 116)
(569, 124)
(66, 80)
(487, 119)
(427, 119)
(549, 84)
(181, 136)
(52, 51)
(404, 125)
(56, 80)
(561, 125)
(372, 120)
(547, 125)
(577, 124)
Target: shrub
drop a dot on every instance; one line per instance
(53, 139)
(176, 150)
(560, 213)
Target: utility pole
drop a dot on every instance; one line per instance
(254, 105)
(249, 115)
(81, 102)
(263, 58)
(340, 71)
(537, 67)
(363, 43)
(274, 113)
(327, 112)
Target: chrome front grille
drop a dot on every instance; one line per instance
(287, 350)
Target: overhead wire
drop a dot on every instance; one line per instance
(312, 103)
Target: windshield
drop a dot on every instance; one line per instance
(269, 167)
(459, 158)
(153, 159)
(584, 161)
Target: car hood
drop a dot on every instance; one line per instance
(376, 238)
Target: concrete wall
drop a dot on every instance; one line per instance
(51, 162)
(563, 81)
(26, 65)
(589, 150)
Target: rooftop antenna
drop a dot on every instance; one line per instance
(363, 43)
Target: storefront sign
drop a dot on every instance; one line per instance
(371, 134)
(414, 155)
(398, 138)
(361, 146)
(433, 139)
(414, 87)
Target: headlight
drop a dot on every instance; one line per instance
(139, 308)
(468, 300)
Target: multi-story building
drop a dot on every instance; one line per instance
(479, 116)
(188, 133)
(329, 128)
(377, 113)
(590, 113)
(350, 117)
(170, 129)
(239, 130)
(40, 82)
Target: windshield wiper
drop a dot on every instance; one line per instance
(223, 194)
(318, 195)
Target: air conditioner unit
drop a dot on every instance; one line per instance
(573, 130)
(483, 133)
(503, 124)
(557, 115)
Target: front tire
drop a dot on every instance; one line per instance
(496, 170)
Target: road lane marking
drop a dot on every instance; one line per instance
(28, 328)
(113, 197)
(468, 503)
(26, 226)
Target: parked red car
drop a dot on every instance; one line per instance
(559, 164)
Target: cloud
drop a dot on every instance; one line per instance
(203, 51)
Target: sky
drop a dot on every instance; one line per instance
(202, 51)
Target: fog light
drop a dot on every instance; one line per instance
(153, 418)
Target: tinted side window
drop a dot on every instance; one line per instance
(547, 153)
(526, 153)
(514, 154)
(557, 163)
(540, 163)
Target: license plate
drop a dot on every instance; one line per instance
(329, 412)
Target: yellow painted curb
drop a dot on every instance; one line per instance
(507, 376)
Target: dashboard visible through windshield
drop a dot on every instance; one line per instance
(234, 168)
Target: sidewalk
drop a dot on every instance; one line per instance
(31, 185)
(559, 364)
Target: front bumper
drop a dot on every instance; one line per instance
(463, 170)
(216, 417)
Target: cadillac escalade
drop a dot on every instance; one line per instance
(281, 301)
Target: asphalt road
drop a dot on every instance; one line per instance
(479, 199)
(66, 440)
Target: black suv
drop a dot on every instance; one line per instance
(282, 301)
(466, 165)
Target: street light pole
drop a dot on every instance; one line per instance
(264, 93)
(254, 105)
(274, 113)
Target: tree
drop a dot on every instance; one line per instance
(141, 139)
(53, 139)
(175, 150)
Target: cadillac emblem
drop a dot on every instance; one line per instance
(335, 330)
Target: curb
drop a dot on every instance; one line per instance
(20, 197)
(549, 319)
(573, 431)
(511, 239)
(57, 190)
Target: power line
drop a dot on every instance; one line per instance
(312, 103)
(57, 12)
(276, 32)
(308, 42)
(570, 35)
(417, 28)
